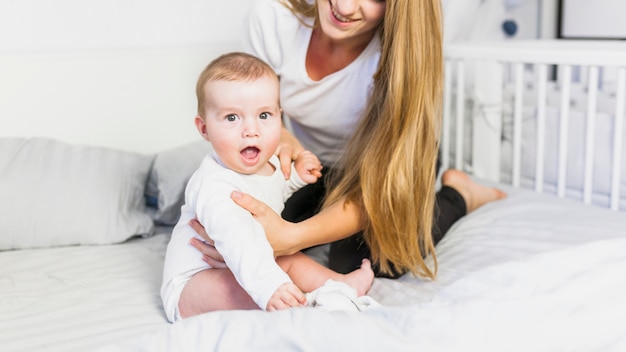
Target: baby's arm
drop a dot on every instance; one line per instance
(237, 236)
(286, 296)
(308, 167)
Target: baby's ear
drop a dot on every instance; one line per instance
(201, 127)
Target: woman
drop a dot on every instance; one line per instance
(361, 85)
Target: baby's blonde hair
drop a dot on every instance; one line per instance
(234, 66)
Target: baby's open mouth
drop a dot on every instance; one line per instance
(250, 153)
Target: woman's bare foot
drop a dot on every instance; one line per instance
(474, 194)
(361, 279)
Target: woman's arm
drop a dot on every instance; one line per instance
(331, 224)
(336, 222)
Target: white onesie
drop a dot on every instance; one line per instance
(238, 236)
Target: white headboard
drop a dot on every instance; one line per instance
(133, 99)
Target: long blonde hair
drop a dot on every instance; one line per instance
(388, 169)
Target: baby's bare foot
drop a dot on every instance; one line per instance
(361, 279)
(474, 194)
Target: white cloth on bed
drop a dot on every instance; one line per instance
(571, 299)
(336, 295)
(80, 298)
(528, 273)
(237, 235)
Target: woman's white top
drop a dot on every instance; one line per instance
(321, 114)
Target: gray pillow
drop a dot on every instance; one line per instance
(169, 176)
(56, 194)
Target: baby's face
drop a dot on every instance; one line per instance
(243, 122)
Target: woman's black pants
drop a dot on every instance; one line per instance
(346, 255)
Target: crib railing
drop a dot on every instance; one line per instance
(487, 82)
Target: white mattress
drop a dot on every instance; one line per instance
(80, 298)
(527, 273)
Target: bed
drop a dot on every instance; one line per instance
(96, 147)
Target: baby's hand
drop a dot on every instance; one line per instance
(286, 296)
(308, 167)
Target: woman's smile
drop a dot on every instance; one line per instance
(337, 15)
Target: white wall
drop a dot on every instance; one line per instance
(114, 73)
(594, 19)
(42, 25)
(483, 19)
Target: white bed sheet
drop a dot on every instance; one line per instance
(531, 272)
(507, 307)
(80, 298)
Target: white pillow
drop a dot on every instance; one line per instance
(169, 176)
(57, 194)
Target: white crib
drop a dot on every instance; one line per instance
(541, 114)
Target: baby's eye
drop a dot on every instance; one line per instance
(264, 116)
(231, 117)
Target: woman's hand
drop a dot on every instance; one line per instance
(286, 237)
(209, 254)
(288, 150)
(279, 232)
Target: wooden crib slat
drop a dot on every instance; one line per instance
(592, 100)
(445, 124)
(517, 124)
(460, 113)
(617, 138)
(566, 83)
(541, 125)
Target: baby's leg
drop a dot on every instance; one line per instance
(213, 289)
(309, 275)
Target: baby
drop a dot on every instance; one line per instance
(239, 113)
